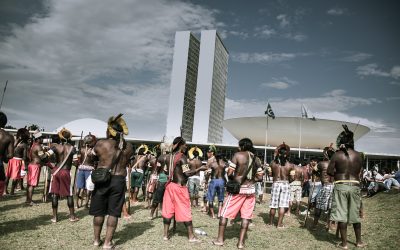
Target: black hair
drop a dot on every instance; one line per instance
(246, 144)
(178, 141)
(3, 120)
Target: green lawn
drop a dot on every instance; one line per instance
(23, 227)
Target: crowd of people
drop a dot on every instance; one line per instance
(110, 174)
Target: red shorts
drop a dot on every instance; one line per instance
(33, 174)
(239, 202)
(14, 168)
(176, 202)
(61, 183)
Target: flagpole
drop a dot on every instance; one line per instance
(4, 91)
(300, 129)
(266, 140)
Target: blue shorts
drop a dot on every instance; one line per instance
(216, 186)
(81, 178)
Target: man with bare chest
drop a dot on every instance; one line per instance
(296, 181)
(60, 184)
(217, 182)
(138, 170)
(86, 166)
(6, 150)
(19, 161)
(36, 156)
(176, 202)
(346, 168)
(324, 197)
(113, 155)
(280, 193)
(245, 169)
(194, 181)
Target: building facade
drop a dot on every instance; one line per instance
(211, 89)
(198, 85)
(182, 97)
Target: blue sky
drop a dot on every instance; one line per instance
(67, 60)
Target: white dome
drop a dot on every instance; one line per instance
(94, 126)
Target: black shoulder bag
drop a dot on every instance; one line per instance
(102, 176)
(233, 186)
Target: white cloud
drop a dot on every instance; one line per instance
(373, 70)
(279, 83)
(356, 57)
(337, 11)
(395, 72)
(264, 57)
(296, 37)
(240, 34)
(264, 31)
(95, 59)
(393, 98)
(283, 20)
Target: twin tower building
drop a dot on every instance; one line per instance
(198, 88)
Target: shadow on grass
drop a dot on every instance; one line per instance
(131, 231)
(9, 227)
(9, 207)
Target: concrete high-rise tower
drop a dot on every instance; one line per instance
(198, 84)
(211, 89)
(182, 95)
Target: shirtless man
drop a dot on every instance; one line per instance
(161, 169)
(6, 149)
(296, 180)
(217, 183)
(112, 154)
(280, 194)
(153, 178)
(60, 184)
(346, 168)
(19, 161)
(36, 156)
(87, 165)
(138, 170)
(324, 197)
(246, 169)
(194, 180)
(176, 201)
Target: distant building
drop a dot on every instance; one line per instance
(182, 95)
(211, 89)
(198, 86)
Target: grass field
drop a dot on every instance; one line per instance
(23, 227)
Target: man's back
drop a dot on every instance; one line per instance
(62, 152)
(106, 151)
(345, 167)
(6, 144)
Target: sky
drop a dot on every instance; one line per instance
(67, 60)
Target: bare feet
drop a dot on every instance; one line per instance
(97, 243)
(339, 245)
(281, 227)
(217, 243)
(165, 238)
(361, 245)
(194, 240)
(240, 246)
(54, 220)
(127, 216)
(73, 219)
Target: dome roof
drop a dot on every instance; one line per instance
(315, 133)
(94, 126)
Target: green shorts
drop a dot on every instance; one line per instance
(346, 204)
(136, 179)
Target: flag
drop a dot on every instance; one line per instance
(269, 112)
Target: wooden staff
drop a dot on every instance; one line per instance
(46, 177)
(129, 188)
(76, 168)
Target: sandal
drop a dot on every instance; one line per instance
(194, 240)
(73, 219)
(339, 245)
(217, 243)
(97, 244)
